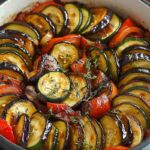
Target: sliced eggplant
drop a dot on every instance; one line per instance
(59, 17)
(14, 58)
(129, 98)
(79, 90)
(77, 137)
(16, 108)
(75, 17)
(137, 130)
(113, 135)
(133, 74)
(109, 31)
(4, 100)
(100, 134)
(101, 18)
(41, 22)
(24, 27)
(52, 139)
(65, 53)
(135, 83)
(128, 43)
(90, 135)
(134, 110)
(63, 136)
(54, 86)
(86, 20)
(22, 130)
(11, 70)
(136, 60)
(39, 128)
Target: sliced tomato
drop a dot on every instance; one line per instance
(98, 106)
(6, 131)
(117, 148)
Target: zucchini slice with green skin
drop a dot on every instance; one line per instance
(63, 136)
(77, 137)
(65, 53)
(22, 130)
(11, 70)
(41, 22)
(128, 43)
(129, 98)
(79, 90)
(4, 100)
(101, 18)
(135, 83)
(137, 129)
(136, 60)
(39, 128)
(75, 17)
(133, 74)
(59, 17)
(52, 138)
(90, 135)
(100, 58)
(24, 27)
(54, 86)
(100, 134)
(109, 31)
(86, 20)
(18, 107)
(137, 49)
(134, 110)
(14, 58)
(114, 64)
(113, 134)
(141, 92)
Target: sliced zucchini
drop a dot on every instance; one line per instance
(59, 17)
(63, 136)
(100, 58)
(79, 90)
(128, 43)
(41, 22)
(16, 108)
(114, 64)
(14, 58)
(133, 74)
(134, 110)
(142, 92)
(77, 137)
(101, 18)
(25, 28)
(135, 83)
(131, 99)
(75, 17)
(90, 135)
(113, 135)
(137, 131)
(39, 127)
(137, 49)
(100, 134)
(86, 20)
(65, 53)
(22, 130)
(54, 86)
(109, 31)
(4, 100)
(51, 141)
(136, 60)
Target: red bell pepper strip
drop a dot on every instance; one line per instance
(98, 106)
(6, 131)
(127, 28)
(117, 148)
